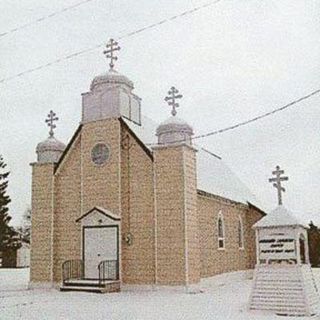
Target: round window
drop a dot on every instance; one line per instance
(100, 153)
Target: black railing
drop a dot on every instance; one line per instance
(72, 269)
(108, 270)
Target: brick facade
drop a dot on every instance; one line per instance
(173, 226)
(42, 214)
(232, 257)
(137, 199)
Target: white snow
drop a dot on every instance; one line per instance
(279, 217)
(213, 175)
(225, 297)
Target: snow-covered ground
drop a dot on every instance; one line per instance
(223, 299)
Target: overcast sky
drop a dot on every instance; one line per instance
(231, 61)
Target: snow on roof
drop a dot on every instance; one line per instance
(216, 177)
(279, 217)
(213, 175)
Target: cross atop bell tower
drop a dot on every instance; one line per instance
(111, 46)
(171, 99)
(50, 122)
(277, 182)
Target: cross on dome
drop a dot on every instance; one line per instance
(111, 46)
(171, 99)
(50, 122)
(277, 182)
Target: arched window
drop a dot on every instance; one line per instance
(240, 233)
(221, 239)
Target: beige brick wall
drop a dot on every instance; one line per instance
(191, 217)
(252, 217)
(41, 231)
(67, 233)
(137, 200)
(214, 261)
(101, 184)
(176, 217)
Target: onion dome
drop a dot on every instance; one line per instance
(110, 78)
(174, 129)
(51, 149)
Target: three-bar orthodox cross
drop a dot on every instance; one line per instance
(50, 122)
(277, 182)
(111, 46)
(171, 99)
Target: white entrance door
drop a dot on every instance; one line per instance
(100, 243)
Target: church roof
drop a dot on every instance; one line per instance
(279, 217)
(213, 175)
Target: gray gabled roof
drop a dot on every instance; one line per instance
(213, 175)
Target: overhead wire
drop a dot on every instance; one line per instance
(45, 17)
(126, 35)
(246, 122)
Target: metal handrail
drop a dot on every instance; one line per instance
(72, 269)
(108, 270)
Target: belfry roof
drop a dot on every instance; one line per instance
(279, 217)
(213, 174)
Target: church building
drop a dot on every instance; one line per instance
(130, 202)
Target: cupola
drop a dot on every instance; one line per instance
(174, 130)
(51, 149)
(110, 94)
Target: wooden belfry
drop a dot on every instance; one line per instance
(283, 279)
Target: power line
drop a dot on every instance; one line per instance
(267, 114)
(240, 124)
(49, 16)
(126, 35)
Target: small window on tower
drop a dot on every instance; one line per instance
(221, 238)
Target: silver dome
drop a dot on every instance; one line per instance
(50, 150)
(111, 77)
(174, 130)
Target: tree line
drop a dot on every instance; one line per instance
(10, 238)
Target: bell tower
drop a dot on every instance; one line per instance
(48, 154)
(177, 231)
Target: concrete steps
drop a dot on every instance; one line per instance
(90, 286)
(284, 289)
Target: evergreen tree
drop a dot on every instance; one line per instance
(6, 232)
(314, 244)
(25, 229)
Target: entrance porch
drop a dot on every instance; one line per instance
(99, 268)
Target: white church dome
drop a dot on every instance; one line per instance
(50, 150)
(111, 77)
(174, 130)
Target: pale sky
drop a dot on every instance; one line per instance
(231, 61)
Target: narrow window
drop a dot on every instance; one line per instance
(220, 231)
(240, 233)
